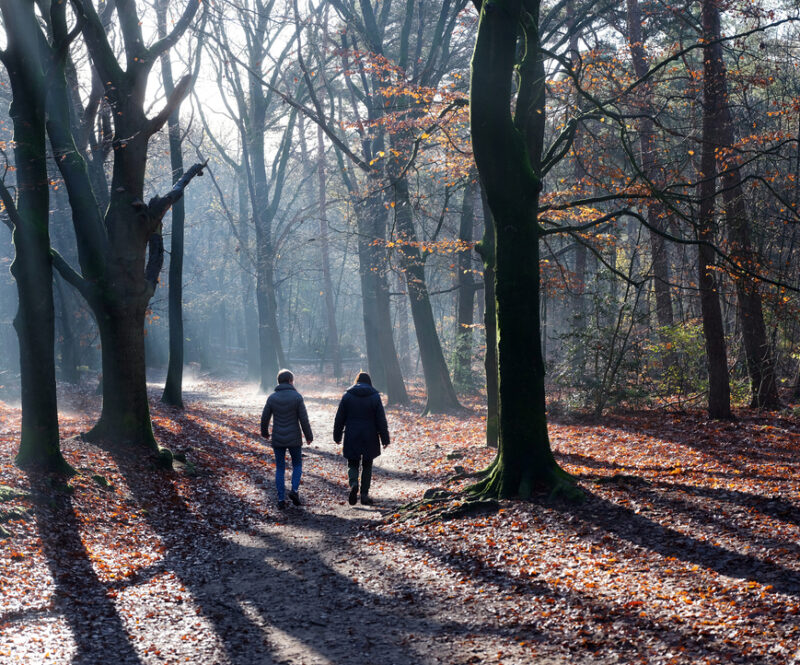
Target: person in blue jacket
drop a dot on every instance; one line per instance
(286, 408)
(361, 418)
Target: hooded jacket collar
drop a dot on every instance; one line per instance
(361, 390)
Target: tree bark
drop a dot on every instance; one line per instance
(508, 153)
(578, 300)
(486, 250)
(121, 253)
(384, 365)
(758, 351)
(248, 286)
(32, 268)
(462, 361)
(67, 342)
(332, 344)
(268, 335)
(719, 398)
(441, 396)
(173, 387)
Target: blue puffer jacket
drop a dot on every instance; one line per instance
(362, 419)
(288, 411)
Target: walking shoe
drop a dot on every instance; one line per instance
(281, 504)
(295, 497)
(353, 495)
(366, 501)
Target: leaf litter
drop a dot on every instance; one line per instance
(686, 549)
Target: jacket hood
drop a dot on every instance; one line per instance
(361, 390)
(285, 386)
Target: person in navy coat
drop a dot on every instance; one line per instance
(362, 420)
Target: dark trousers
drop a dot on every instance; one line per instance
(366, 473)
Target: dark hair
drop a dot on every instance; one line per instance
(285, 376)
(363, 377)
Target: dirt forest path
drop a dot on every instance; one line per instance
(313, 589)
(199, 565)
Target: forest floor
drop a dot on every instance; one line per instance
(686, 549)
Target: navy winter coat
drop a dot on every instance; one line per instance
(288, 411)
(362, 419)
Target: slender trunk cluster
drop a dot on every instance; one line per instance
(718, 138)
(649, 166)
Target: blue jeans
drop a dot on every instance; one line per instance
(280, 468)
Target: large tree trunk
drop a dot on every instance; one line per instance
(760, 362)
(384, 365)
(32, 267)
(647, 146)
(270, 346)
(719, 398)
(173, 387)
(35, 319)
(267, 318)
(112, 250)
(269, 362)
(441, 394)
(68, 343)
(508, 159)
(462, 360)
(125, 417)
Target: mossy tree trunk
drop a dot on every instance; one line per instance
(508, 152)
(32, 267)
(486, 250)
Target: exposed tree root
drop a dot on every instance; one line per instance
(439, 505)
(461, 474)
(483, 497)
(105, 433)
(556, 482)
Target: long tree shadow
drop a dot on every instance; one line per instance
(708, 508)
(650, 535)
(777, 508)
(736, 472)
(732, 443)
(79, 595)
(599, 614)
(245, 603)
